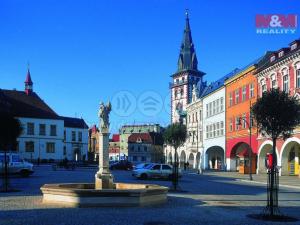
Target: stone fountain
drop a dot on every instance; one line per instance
(104, 192)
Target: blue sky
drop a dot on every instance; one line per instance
(83, 51)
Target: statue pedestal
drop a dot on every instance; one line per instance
(103, 178)
(104, 181)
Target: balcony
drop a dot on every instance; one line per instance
(176, 84)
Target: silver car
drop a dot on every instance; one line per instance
(16, 165)
(155, 170)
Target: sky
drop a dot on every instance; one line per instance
(82, 52)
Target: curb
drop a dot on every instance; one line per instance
(260, 182)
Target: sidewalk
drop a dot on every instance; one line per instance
(284, 181)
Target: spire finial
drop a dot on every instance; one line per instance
(187, 13)
(28, 65)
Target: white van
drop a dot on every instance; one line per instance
(16, 165)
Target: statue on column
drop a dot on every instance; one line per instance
(103, 114)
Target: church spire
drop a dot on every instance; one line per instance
(28, 83)
(187, 57)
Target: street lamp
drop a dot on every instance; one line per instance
(250, 125)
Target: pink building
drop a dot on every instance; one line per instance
(282, 70)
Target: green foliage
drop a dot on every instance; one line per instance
(276, 113)
(10, 130)
(175, 135)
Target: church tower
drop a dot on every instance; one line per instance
(186, 76)
(28, 84)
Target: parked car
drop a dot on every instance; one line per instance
(121, 165)
(16, 165)
(155, 170)
(141, 166)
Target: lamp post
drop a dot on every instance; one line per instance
(250, 125)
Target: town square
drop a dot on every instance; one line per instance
(149, 112)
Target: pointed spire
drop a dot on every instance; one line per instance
(187, 57)
(28, 82)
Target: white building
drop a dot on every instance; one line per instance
(46, 135)
(194, 143)
(214, 133)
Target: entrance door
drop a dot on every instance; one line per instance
(291, 163)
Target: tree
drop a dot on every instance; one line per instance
(175, 136)
(10, 130)
(277, 114)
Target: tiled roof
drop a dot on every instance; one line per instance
(74, 122)
(116, 138)
(22, 105)
(144, 137)
(219, 83)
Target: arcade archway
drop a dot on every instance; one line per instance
(215, 158)
(290, 155)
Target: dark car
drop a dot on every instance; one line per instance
(121, 165)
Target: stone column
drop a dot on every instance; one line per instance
(103, 178)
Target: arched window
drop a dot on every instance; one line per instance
(297, 72)
(285, 80)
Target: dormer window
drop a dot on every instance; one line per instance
(272, 58)
(294, 46)
(281, 54)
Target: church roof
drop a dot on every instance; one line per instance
(187, 57)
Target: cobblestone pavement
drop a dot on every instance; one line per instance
(206, 199)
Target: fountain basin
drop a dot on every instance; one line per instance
(85, 195)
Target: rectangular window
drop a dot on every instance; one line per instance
(52, 130)
(230, 99)
(200, 115)
(298, 78)
(286, 83)
(237, 123)
(65, 150)
(65, 135)
(42, 129)
(244, 121)
(29, 146)
(80, 136)
(210, 109)
(251, 121)
(218, 106)
(221, 104)
(206, 110)
(134, 158)
(244, 93)
(222, 128)
(50, 147)
(214, 131)
(30, 128)
(218, 129)
(214, 107)
(237, 96)
(207, 132)
(251, 88)
(230, 125)
(73, 136)
(273, 84)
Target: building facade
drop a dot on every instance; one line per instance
(241, 93)
(127, 130)
(145, 148)
(281, 71)
(214, 125)
(45, 133)
(114, 148)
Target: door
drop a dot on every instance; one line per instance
(155, 171)
(166, 171)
